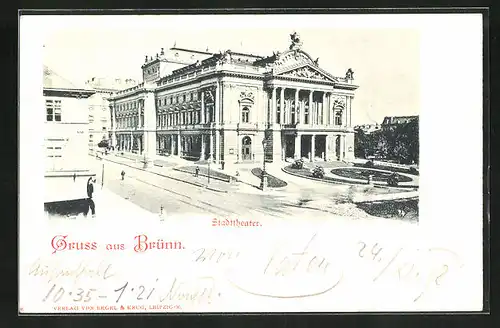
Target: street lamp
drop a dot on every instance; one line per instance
(263, 178)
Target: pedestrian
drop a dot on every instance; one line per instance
(196, 171)
(74, 177)
(90, 192)
(123, 174)
(222, 165)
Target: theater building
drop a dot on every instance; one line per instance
(236, 107)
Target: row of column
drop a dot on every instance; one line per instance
(300, 112)
(126, 142)
(183, 145)
(339, 156)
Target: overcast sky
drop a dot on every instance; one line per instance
(384, 54)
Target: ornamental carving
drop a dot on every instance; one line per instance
(225, 57)
(295, 41)
(209, 95)
(247, 94)
(307, 73)
(339, 102)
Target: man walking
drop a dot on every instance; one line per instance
(90, 192)
(123, 174)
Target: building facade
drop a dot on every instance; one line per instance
(236, 107)
(66, 130)
(99, 116)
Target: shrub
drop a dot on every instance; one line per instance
(318, 172)
(298, 164)
(369, 164)
(393, 180)
(413, 171)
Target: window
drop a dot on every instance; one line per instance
(53, 110)
(245, 115)
(338, 118)
(104, 128)
(184, 98)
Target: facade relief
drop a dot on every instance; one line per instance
(306, 72)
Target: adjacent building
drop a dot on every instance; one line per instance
(390, 122)
(368, 128)
(236, 107)
(65, 137)
(98, 108)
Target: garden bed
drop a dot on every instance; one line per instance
(362, 174)
(204, 172)
(388, 168)
(272, 181)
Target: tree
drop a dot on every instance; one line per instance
(361, 143)
(103, 144)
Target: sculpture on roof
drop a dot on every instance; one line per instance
(146, 59)
(349, 75)
(296, 43)
(316, 62)
(162, 52)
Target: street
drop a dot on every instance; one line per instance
(151, 191)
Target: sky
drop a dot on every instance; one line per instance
(383, 52)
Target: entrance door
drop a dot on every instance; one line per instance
(246, 148)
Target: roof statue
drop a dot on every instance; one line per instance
(349, 75)
(316, 62)
(296, 43)
(162, 51)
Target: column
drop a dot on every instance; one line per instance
(217, 105)
(273, 106)
(172, 144)
(179, 145)
(202, 110)
(211, 145)
(217, 146)
(334, 144)
(313, 148)
(341, 150)
(330, 109)
(327, 146)
(113, 130)
(297, 106)
(202, 152)
(282, 107)
(311, 107)
(323, 105)
(298, 146)
(350, 110)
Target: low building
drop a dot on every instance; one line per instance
(66, 127)
(368, 128)
(391, 122)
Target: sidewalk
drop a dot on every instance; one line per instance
(165, 169)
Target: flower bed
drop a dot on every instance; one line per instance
(272, 181)
(362, 174)
(373, 165)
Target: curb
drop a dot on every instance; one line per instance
(169, 177)
(346, 182)
(203, 175)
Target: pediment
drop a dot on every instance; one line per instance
(307, 72)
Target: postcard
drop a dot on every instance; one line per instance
(250, 163)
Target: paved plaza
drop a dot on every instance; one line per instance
(161, 188)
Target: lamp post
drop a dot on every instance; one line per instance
(263, 179)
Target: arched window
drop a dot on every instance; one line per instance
(245, 115)
(338, 118)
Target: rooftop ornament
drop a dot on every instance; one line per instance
(296, 43)
(349, 75)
